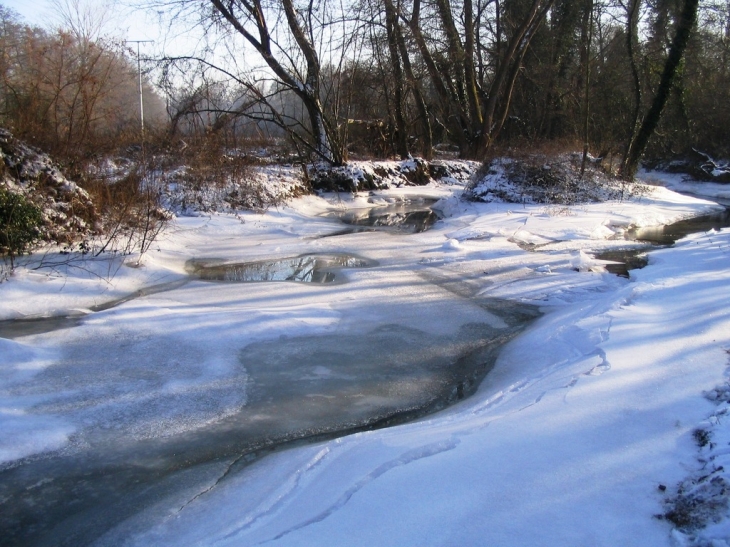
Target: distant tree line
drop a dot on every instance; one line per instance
(398, 77)
(389, 78)
(70, 91)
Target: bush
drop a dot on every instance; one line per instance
(20, 223)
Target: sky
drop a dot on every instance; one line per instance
(127, 23)
(177, 36)
(33, 11)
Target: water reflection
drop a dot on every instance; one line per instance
(413, 221)
(659, 236)
(669, 234)
(625, 260)
(303, 269)
(16, 328)
(413, 216)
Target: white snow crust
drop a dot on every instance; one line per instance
(682, 183)
(566, 441)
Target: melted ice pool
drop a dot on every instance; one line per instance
(320, 268)
(411, 216)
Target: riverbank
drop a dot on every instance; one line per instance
(568, 441)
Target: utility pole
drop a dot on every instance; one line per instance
(139, 72)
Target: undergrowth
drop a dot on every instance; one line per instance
(20, 224)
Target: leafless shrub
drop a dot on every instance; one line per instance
(131, 214)
(209, 176)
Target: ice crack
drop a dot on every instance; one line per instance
(313, 463)
(409, 457)
(291, 485)
(222, 476)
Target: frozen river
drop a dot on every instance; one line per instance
(141, 413)
(157, 409)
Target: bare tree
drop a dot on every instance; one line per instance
(68, 90)
(475, 83)
(85, 21)
(684, 26)
(633, 12)
(586, 37)
(391, 26)
(297, 70)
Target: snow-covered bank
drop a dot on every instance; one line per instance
(682, 183)
(566, 442)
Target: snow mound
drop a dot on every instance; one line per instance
(583, 262)
(539, 179)
(452, 245)
(68, 212)
(382, 175)
(184, 191)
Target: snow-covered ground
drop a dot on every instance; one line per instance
(580, 435)
(682, 183)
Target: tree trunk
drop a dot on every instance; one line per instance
(441, 83)
(687, 20)
(504, 79)
(401, 136)
(426, 133)
(632, 31)
(323, 138)
(585, 39)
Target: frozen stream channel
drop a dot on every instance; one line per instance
(166, 394)
(185, 402)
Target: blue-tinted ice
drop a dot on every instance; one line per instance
(155, 416)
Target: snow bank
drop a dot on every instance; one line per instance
(373, 175)
(550, 180)
(685, 184)
(67, 209)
